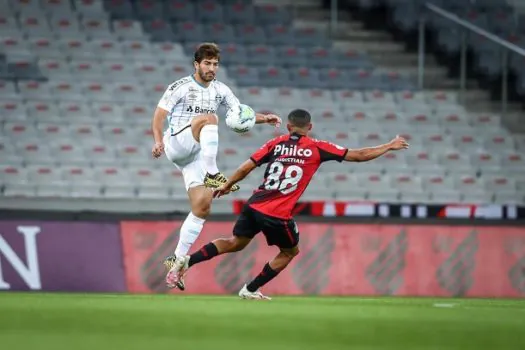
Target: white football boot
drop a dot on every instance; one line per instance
(177, 266)
(244, 293)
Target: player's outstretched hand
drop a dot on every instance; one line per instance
(398, 143)
(274, 120)
(221, 191)
(157, 150)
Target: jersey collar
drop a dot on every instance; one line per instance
(298, 136)
(195, 80)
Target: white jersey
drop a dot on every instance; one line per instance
(186, 98)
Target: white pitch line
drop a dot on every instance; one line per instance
(445, 305)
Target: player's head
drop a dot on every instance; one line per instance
(300, 121)
(206, 61)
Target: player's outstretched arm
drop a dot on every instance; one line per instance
(271, 119)
(156, 127)
(239, 175)
(369, 153)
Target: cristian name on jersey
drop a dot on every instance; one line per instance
(292, 162)
(186, 98)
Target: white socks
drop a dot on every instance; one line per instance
(209, 140)
(189, 231)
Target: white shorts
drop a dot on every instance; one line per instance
(185, 153)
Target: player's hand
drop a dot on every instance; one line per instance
(274, 120)
(157, 150)
(221, 191)
(398, 143)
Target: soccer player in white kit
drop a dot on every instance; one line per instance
(191, 143)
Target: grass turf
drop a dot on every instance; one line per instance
(101, 321)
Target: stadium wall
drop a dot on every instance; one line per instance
(336, 258)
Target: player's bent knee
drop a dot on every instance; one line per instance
(204, 119)
(201, 121)
(238, 243)
(201, 209)
(291, 253)
(211, 119)
(200, 199)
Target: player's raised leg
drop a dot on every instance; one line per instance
(205, 130)
(269, 272)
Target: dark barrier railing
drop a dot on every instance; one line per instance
(468, 27)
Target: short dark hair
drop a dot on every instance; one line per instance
(207, 51)
(299, 118)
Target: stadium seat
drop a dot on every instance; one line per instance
(20, 191)
(273, 77)
(89, 8)
(169, 51)
(180, 10)
(107, 49)
(249, 34)
(271, 14)
(64, 25)
(13, 175)
(310, 36)
(31, 152)
(33, 24)
(62, 7)
(8, 90)
(291, 56)
(96, 27)
(12, 110)
(121, 9)
(128, 30)
(116, 191)
(53, 190)
(331, 78)
(149, 9)
(303, 77)
(91, 190)
(154, 191)
(15, 46)
(159, 30)
(45, 47)
(30, 89)
(234, 55)
(239, 13)
(8, 25)
(43, 175)
(40, 111)
(279, 34)
(24, 69)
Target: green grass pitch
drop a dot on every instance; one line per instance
(149, 322)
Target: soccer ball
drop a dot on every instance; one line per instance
(242, 122)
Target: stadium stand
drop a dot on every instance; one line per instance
(79, 81)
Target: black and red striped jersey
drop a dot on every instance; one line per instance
(292, 161)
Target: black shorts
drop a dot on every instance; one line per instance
(279, 232)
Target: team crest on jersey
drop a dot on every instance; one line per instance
(218, 98)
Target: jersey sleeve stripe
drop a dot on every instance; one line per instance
(344, 155)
